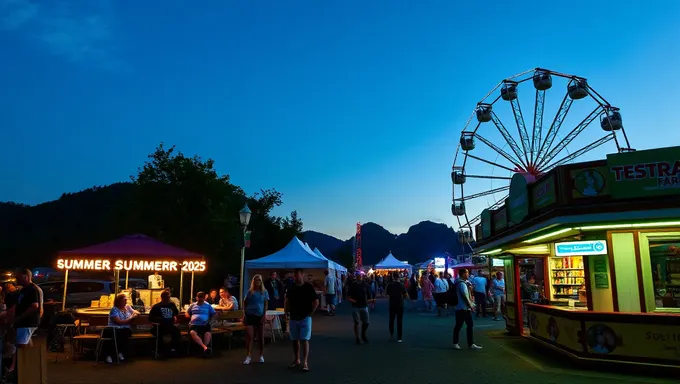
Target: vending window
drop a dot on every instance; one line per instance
(664, 257)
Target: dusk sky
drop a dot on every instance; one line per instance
(352, 109)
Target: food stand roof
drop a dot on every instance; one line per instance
(293, 255)
(132, 246)
(391, 262)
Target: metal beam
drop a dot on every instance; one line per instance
(482, 194)
(492, 163)
(508, 138)
(538, 126)
(501, 152)
(582, 151)
(521, 128)
(554, 127)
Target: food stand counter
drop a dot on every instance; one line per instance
(647, 338)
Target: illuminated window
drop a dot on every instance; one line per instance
(664, 256)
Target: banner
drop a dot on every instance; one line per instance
(557, 330)
(653, 172)
(634, 340)
(359, 262)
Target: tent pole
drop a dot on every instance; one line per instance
(181, 287)
(116, 277)
(63, 298)
(191, 293)
(127, 275)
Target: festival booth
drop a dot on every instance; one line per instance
(391, 264)
(294, 255)
(133, 253)
(603, 238)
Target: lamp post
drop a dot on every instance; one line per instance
(244, 215)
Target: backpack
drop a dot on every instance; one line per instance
(454, 293)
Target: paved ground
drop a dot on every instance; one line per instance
(426, 356)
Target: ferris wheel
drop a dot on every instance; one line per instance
(501, 144)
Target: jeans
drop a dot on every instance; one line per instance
(480, 300)
(170, 330)
(397, 313)
(499, 300)
(463, 316)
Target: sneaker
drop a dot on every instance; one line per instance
(246, 361)
(456, 346)
(121, 357)
(400, 340)
(109, 360)
(475, 347)
(261, 359)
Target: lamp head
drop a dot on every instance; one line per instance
(244, 215)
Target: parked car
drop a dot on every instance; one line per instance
(79, 293)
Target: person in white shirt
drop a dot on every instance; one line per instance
(329, 287)
(440, 288)
(480, 285)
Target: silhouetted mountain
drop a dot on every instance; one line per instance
(421, 242)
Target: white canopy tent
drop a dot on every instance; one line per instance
(336, 266)
(391, 262)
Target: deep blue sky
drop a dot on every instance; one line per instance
(352, 109)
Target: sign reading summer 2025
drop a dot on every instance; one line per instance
(131, 265)
(647, 173)
(581, 248)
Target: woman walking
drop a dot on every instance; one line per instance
(255, 304)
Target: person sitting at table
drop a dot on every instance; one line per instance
(213, 299)
(164, 314)
(228, 301)
(199, 314)
(120, 318)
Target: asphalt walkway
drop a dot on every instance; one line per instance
(425, 356)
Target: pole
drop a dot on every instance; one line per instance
(63, 299)
(181, 289)
(191, 290)
(243, 266)
(116, 277)
(127, 275)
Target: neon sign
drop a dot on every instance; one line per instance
(131, 265)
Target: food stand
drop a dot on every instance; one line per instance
(607, 234)
(133, 253)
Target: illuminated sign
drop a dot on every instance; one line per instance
(131, 265)
(439, 262)
(497, 263)
(581, 248)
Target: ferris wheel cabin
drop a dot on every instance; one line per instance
(464, 236)
(542, 80)
(577, 89)
(611, 120)
(483, 112)
(458, 208)
(509, 90)
(458, 177)
(467, 141)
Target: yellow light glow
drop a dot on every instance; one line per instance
(131, 265)
(551, 234)
(631, 225)
(499, 250)
(532, 249)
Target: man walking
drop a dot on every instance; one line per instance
(464, 308)
(360, 296)
(300, 303)
(396, 291)
(480, 286)
(329, 288)
(28, 310)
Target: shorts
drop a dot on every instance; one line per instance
(200, 329)
(361, 315)
(330, 298)
(24, 335)
(253, 320)
(301, 329)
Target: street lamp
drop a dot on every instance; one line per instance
(244, 215)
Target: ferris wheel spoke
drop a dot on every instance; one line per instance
(554, 127)
(538, 125)
(508, 138)
(582, 151)
(521, 128)
(501, 152)
(482, 194)
(492, 163)
(487, 177)
(570, 137)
